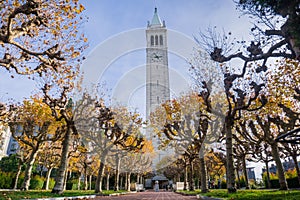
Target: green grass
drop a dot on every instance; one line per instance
(252, 194)
(32, 194)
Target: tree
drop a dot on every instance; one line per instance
(264, 129)
(240, 91)
(49, 157)
(241, 151)
(184, 125)
(267, 44)
(107, 130)
(293, 150)
(266, 10)
(62, 110)
(264, 154)
(32, 125)
(283, 86)
(33, 36)
(215, 162)
(171, 169)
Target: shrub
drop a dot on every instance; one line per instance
(51, 183)
(223, 184)
(71, 184)
(293, 182)
(6, 180)
(242, 182)
(20, 180)
(291, 174)
(36, 183)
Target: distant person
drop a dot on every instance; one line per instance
(156, 186)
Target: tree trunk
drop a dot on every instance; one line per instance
(245, 172)
(48, 175)
(85, 179)
(125, 182)
(61, 173)
(295, 48)
(238, 185)
(128, 181)
(280, 171)
(141, 179)
(117, 176)
(138, 178)
(203, 173)
(98, 186)
(18, 174)
(185, 178)
(294, 157)
(28, 171)
(191, 178)
(107, 181)
(230, 177)
(78, 182)
(66, 179)
(268, 186)
(90, 182)
(121, 182)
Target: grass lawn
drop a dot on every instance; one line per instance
(32, 194)
(252, 194)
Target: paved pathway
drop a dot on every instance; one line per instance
(149, 195)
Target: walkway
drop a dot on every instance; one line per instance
(150, 195)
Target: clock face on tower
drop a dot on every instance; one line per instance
(156, 57)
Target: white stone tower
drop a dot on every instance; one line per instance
(157, 72)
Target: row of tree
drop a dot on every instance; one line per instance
(187, 126)
(43, 41)
(245, 106)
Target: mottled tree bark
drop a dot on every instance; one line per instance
(85, 178)
(191, 177)
(117, 176)
(18, 175)
(203, 177)
(230, 176)
(90, 182)
(268, 186)
(107, 181)
(245, 172)
(61, 173)
(28, 171)
(48, 175)
(238, 185)
(79, 182)
(280, 171)
(185, 177)
(138, 178)
(99, 180)
(128, 181)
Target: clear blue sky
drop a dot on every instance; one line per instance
(110, 20)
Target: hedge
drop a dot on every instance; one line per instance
(292, 183)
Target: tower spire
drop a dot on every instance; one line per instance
(156, 22)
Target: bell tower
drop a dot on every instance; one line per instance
(157, 72)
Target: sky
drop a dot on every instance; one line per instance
(110, 20)
(116, 32)
(116, 55)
